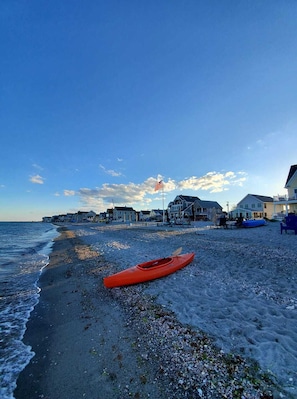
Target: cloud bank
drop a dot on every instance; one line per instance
(143, 193)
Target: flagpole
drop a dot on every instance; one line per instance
(163, 203)
(160, 184)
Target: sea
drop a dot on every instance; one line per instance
(24, 252)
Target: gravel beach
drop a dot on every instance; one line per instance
(223, 327)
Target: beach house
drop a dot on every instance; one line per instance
(287, 203)
(144, 216)
(254, 206)
(207, 210)
(124, 214)
(157, 215)
(181, 207)
(193, 208)
(83, 216)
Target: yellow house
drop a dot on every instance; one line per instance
(254, 206)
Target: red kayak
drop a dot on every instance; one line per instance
(148, 270)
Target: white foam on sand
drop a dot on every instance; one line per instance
(241, 288)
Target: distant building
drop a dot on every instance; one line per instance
(157, 215)
(124, 214)
(83, 217)
(144, 216)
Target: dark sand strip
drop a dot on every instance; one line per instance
(84, 344)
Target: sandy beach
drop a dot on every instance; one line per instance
(84, 343)
(223, 327)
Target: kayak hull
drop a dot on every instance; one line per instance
(147, 271)
(254, 223)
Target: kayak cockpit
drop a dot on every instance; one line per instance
(155, 263)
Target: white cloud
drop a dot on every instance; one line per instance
(36, 166)
(37, 179)
(132, 193)
(213, 182)
(69, 193)
(110, 172)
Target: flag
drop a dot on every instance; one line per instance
(159, 185)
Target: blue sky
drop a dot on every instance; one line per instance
(100, 99)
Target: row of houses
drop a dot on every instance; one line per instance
(252, 206)
(185, 207)
(118, 213)
(258, 206)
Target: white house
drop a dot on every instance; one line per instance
(288, 204)
(254, 206)
(157, 215)
(124, 214)
(144, 215)
(82, 217)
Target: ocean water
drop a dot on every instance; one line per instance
(24, 252)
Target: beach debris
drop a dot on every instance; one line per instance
(189, 358)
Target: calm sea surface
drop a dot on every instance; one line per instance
(24, 252)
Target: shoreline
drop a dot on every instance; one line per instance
(120, 343)
(84, 344)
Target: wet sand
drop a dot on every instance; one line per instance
(84, 344)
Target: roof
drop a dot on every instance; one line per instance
(262, 198)
(188, 198)
(123, 208)
(292, 171)
(209, 204)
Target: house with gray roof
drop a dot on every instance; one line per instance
(181, 207)
(207, 210)
(144, 216)
(254, 206)
(157, 215)
(193, 208)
